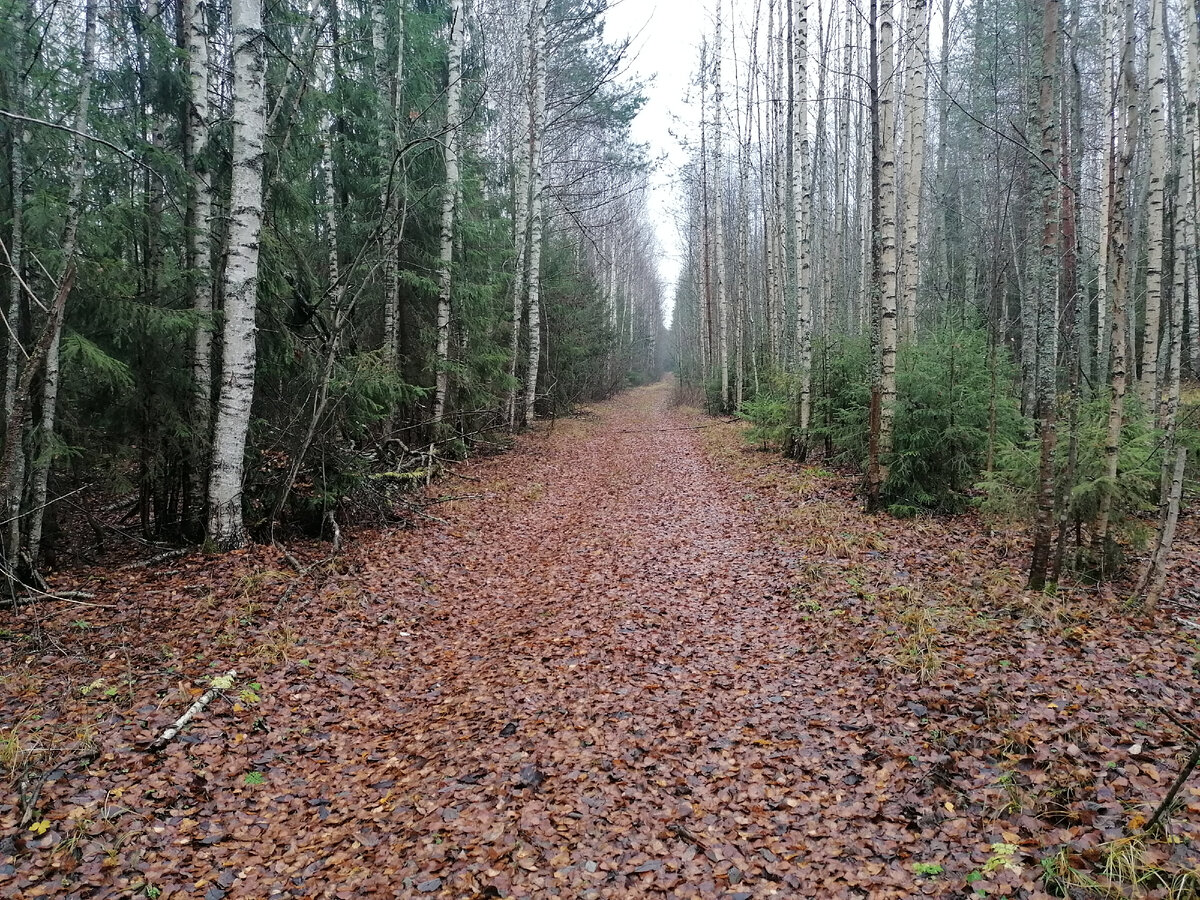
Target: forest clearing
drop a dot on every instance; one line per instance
(641, 658)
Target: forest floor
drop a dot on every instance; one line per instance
(637, 659)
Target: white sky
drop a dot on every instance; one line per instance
(666, 53)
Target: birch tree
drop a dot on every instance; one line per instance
(801, 212)
(916, 59)
(537, 122)
(200, 204)
(449, 194)
(226, 528)
(1045, 278)
(1155, 204)
(884, 277)
(718, 182)
(43, 457)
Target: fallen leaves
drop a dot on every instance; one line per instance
(644, 662)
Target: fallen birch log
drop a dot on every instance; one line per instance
(194, 710)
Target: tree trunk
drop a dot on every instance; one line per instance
(875, 468)
(1045, 289)
(914, 161)
(200, 204)
(1154, 577)
(43, 457)
(390, 73)
(719, 215)
(887, 280)
(449, 193)
(801, 213)
(14, 480)
(226, 528)
(537, 119)
(522, 162)
(1156, 207)
(1190, 183)
(1122, 141)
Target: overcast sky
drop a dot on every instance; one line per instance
(667, 35)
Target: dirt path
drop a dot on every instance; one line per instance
(605, 689)
(638, 660)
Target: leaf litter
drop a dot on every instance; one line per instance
(644, 661)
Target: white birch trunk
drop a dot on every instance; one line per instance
(801, 204)
(43, 459)
(522, 162)
(1155, 577)
(538, 125)
(770, 194)
(1190, 210)
(914, 161)
(195, 19)
(390, 72)
(780, 184)
(1124, 135)
(1108, 76)
(1148, 381)
(719, 214)
(225, 525)
(449, 193)
(887, 228)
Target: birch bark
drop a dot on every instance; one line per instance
(914, 161)
(719, 213)
(1156, 207)
(449, 194)
(537, 121)
(391, 73)
(887, 233)
(226, 528)
(200, 203)
(801, 207)
(521, 177)
(44, 457)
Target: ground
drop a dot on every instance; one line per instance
(636, 658)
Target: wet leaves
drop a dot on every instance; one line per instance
(676, 668)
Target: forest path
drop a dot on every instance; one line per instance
(634, 658)
(605, 659)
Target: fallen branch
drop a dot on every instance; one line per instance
(417, 511)
(292, 561)
(76, 597)
(162, 557)
(194, 710)
(675, 428)
(1184, 773)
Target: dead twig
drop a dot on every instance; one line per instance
(30, 795)
(1184, 773)
(192, 711)
(162, 557)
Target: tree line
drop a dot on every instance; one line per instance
(264, 263)
(966, 255)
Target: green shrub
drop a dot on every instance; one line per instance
(952, 403)
(948, 392)
(1011, 489)
(770, 414)
(842, 399)
(713, 404)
